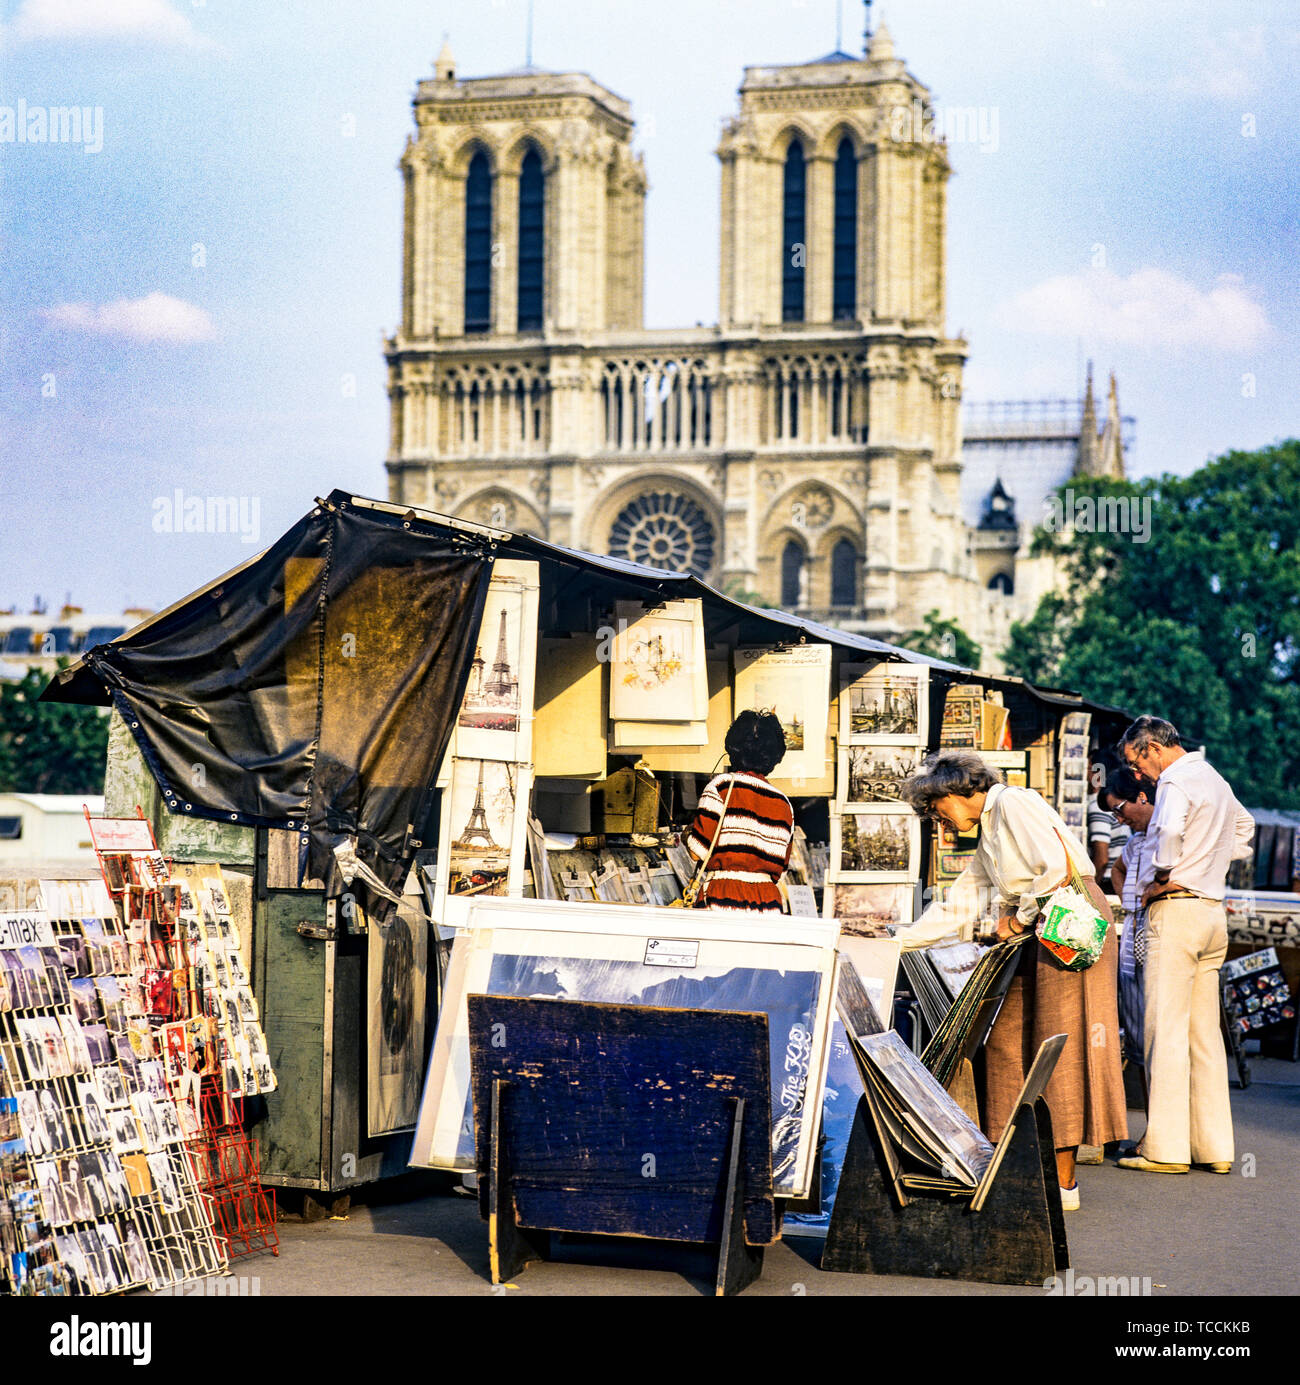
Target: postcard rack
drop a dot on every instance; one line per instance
(1007, 1229)
(229, 1172)
(622, 1120)
(200, 1015)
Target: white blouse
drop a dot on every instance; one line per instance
(1020, 857)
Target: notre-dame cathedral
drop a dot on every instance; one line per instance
(807, 448)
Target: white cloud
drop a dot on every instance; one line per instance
(150, 21)
(155, 317)
(1225, 66)
(1150, 308)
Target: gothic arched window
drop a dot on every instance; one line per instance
(846, 232)
(792, 561)
(532, 243)
(1002, 582)
(478, 245)
(844, 574)
(794, 248)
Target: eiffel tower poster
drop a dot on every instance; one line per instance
(495, 718)
(481, 827)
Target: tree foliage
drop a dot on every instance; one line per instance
(943, 639)
(48, 747)
(1199, 624)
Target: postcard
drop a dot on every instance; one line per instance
(93, 1113)
(146, 1119)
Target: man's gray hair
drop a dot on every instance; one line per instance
(959, 772)
(1145, 730)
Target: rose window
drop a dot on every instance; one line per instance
(664, 530)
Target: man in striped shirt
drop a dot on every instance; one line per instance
(752, 850)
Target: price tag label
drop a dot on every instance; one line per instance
(671, 952)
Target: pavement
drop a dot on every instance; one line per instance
(1195, 1234)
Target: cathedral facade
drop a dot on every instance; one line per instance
(806, 449)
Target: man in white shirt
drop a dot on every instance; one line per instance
(1198, 828)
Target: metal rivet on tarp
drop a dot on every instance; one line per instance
(234, 817)
(187, 807)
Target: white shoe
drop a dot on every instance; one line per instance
(1070, 1199)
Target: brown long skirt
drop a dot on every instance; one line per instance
(1086, 1093)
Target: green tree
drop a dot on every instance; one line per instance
(736, 589)
(943, 639)
(1196, 620)
(47, 747)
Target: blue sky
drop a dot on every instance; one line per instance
(199, 303)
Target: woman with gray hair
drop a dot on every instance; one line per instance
(1025, 853)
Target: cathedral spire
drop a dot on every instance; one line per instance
(1112, 442)
(880, 49)
(444, 68)
(1087, 462)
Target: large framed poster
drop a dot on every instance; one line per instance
(703, 960)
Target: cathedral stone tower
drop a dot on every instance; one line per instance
(805, 448)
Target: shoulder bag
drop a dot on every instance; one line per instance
(691, 894)
(1070, 926)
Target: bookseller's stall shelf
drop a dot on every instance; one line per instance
(392, 715)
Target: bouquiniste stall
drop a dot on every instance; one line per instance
(394, 728)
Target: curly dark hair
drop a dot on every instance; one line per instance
(1125, 785)
(755, 742)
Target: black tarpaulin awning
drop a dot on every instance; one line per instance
(314, 688)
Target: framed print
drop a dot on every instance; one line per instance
(876, 962)
(879, 844)
(496, 713)
(483, 830)
(396, 973)
(884, 702)
(869, 911)
(795, 683)
(657, 665)
(597, 952)
(875, 773)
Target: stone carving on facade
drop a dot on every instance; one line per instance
(446, 488)
(593, 474)
(540, 481)
(771, 478)
(812, 508)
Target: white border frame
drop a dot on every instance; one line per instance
(836, 874)
(853, 674)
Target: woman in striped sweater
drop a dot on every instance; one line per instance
(758, 830)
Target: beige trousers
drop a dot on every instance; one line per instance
(1187, 1065)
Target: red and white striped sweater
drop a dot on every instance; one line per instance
(754, 848)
